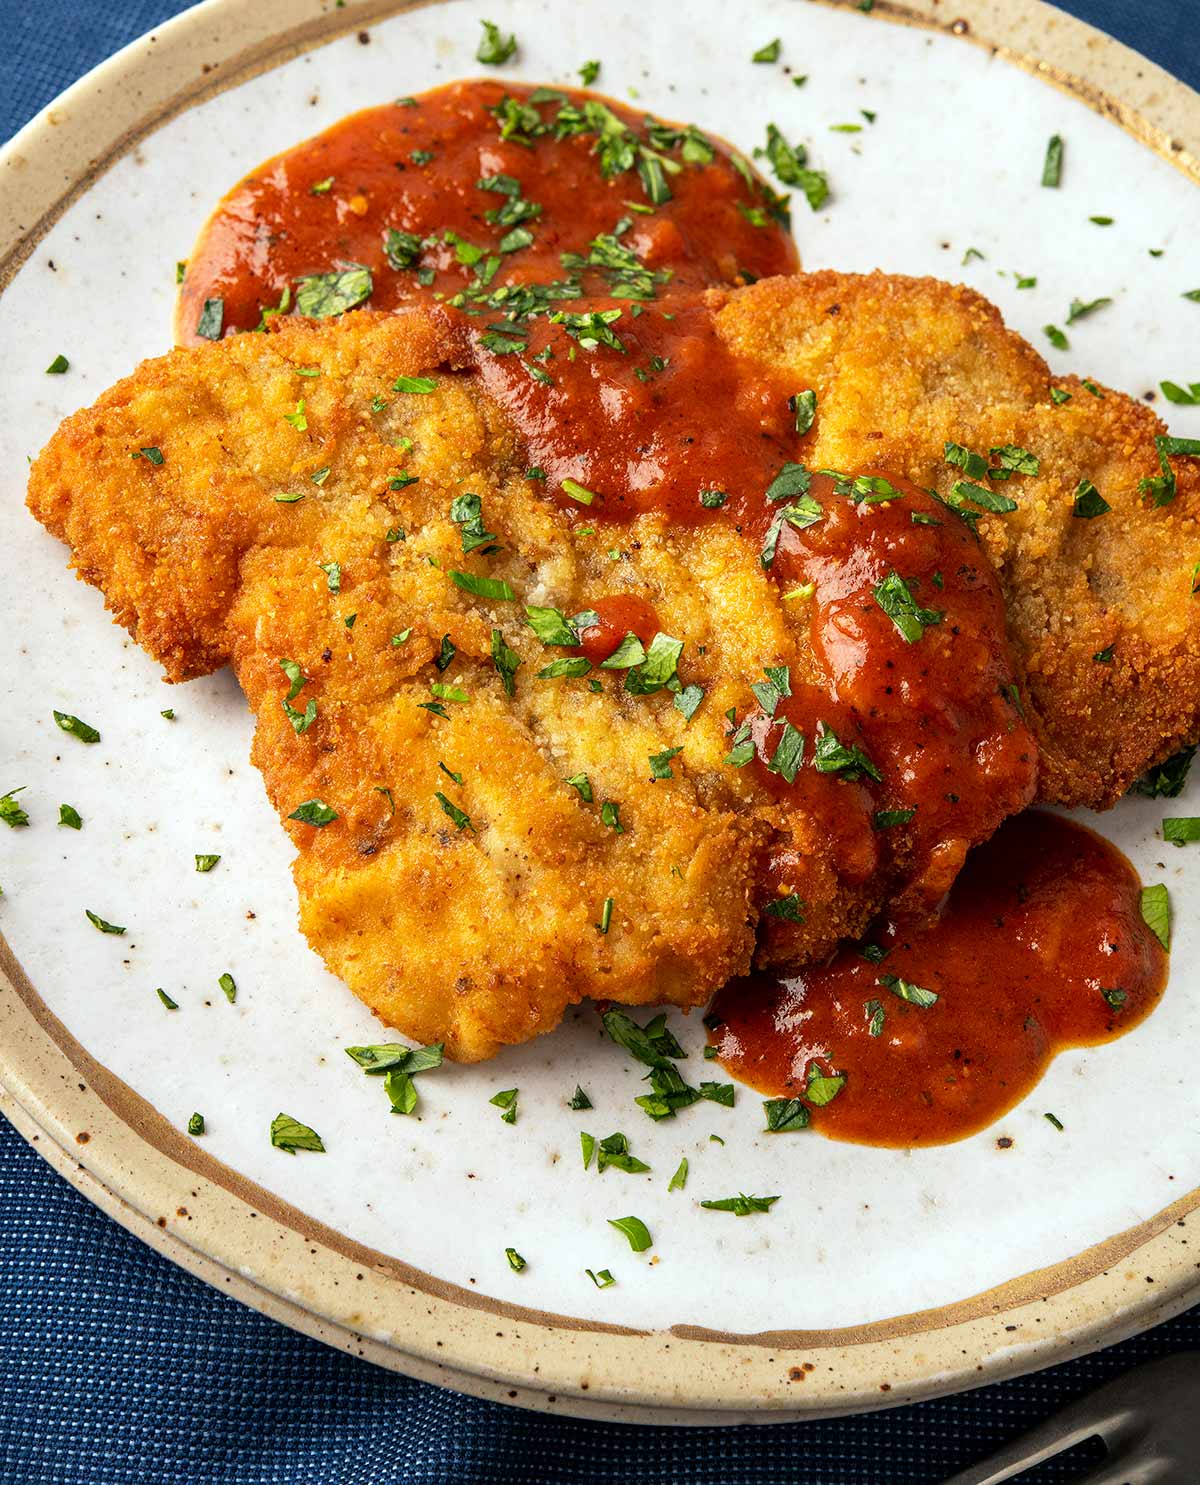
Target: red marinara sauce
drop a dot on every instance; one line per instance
(414, 167)
(1041, 946)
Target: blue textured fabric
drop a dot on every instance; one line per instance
(117, 1368)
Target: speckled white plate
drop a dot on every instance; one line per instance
(881, 1275)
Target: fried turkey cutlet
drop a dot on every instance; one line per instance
(701, 648)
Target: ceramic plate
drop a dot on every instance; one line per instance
(881, 1275)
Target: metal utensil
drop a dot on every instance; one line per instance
(1149, 1419)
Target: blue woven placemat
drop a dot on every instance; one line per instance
(118, 1369)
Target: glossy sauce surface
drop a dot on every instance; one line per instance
(1041, 947)
(414, 166)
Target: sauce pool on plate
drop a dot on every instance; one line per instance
(927, 1034)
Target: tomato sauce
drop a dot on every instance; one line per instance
(570, 244)
(617, 615)
(1041, 946)
(413, 166)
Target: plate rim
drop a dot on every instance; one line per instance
(132, 1163)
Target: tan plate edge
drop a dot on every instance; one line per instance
(163, 1187)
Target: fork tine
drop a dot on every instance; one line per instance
(1096, 1413)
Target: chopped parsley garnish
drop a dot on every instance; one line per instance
(205, 863)
(1105, 656)
(77, 728)
(314, 812)
(789, 908)
(635, 1230)
(467, 513)
(10, 811)
(67, 815)
(679, 1180)
(713, 499)
(610, 815)
(506, 661)
(212, 319)
(588, 73)
(1156, 912)
(483, 587)
(445, 692)
(195, 1125)
(660, 763)
(321, 187)
(889, 819)
(418, 385)
(1052, 167)
(506, 1099)
(790, 165)
(579, 1099)
(771, 692)
(658, 669)
(905, 990)
(102, 924)
(169, 714)
(515, 1261)
(876, 1015)
(788, 755)
(580, 783)
(402, 249)
(1055, 1120)
(228, 987)
(578, 492)
(151, 454)
(790, 485)
(1182, 396)
(629, 652)
(573, 665)
(320, 296)
(1161, 489)
(1089, 502)
(606, 911)
(1013, 460)
(1115, 997)
(784, 1115)
(591, 329)
(894, 596)
(687, 700)
(602, 1279)
(58, 366)
(768, 53)
(833, 756)
(289, 1134)
(1059, 395)
(333, 575)
(1079, 309)
(171, 1005)
(1180, 829)
(551, 625)
(804, 408)
(964, 495)
(1056, 338)
(822, 1088)
(741, 1205)
(494, 49)
(460, 818)
(297, 419)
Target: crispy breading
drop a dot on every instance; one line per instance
(902, 366)
(477, 936)
(476, 919)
